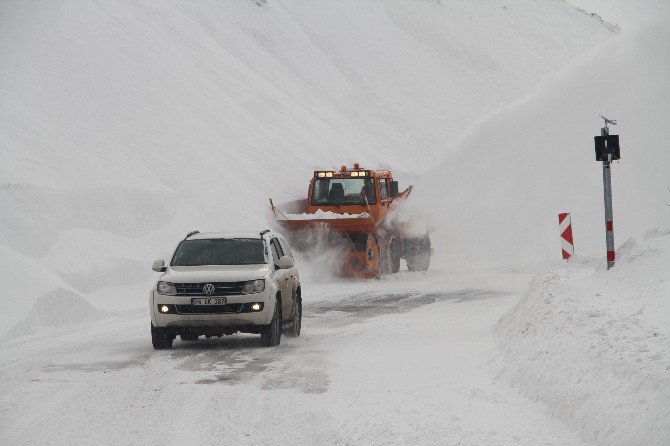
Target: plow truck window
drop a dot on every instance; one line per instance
(383, 190)
(219, 251)
(339, 191)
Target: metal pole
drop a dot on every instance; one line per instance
(607, 187)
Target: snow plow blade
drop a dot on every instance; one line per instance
(341, 222)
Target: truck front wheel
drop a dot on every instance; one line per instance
(160, 338)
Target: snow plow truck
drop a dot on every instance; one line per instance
(355, 212)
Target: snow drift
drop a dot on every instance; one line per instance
(592, 344)
(54, 309)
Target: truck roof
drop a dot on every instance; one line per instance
(356, 171)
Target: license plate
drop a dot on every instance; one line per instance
(208, 301)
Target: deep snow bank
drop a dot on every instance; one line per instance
(593, 345)
(123, 125)
(54, 309)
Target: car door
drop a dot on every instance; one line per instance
(292, 273)
(282, 278)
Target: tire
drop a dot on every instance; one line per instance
(271, 333)
(417, 253)
(374, 263)
(160, 338)
(394, 255)
(189, 337)
(296, 319)
(418, 262)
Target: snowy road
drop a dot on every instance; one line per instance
(373, 366)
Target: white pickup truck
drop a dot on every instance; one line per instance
(219, 284)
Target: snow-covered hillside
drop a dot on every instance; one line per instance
(520, 167)
(125, 124)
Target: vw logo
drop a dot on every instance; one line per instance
(208, 289)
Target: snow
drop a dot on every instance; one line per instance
(626, 14)
(526, 164)
(396, 361)
(54, 309)
(123, 126)
(593, 344)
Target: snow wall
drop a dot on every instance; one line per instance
(592, 344)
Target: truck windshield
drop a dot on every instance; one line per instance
(338, 191)
(219, 251)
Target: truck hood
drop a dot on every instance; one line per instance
(215, 273)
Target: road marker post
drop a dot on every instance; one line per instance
(567, 243)
(607, 150)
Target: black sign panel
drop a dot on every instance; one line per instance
(607, 145)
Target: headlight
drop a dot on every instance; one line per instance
(166, 288)
(253, 286)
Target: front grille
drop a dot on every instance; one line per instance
(220, 289)
(208, 309)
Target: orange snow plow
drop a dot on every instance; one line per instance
(353, 210)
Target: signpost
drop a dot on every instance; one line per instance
(567, 244)
(607, 150)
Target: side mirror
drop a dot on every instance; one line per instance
(394, 189)
(285, 262)
(159, 266)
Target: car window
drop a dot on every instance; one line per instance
(276, 250)
(383, 189)
(219, 251)
(280, 249)
(285, 248)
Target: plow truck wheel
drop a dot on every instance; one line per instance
(394, 254)
(417, 253)
(390, 255)
(373, 262)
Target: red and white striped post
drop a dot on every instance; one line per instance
(567, 244)
(609, 237)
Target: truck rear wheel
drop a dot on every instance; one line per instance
(296, 319)
(417, 253)
(271, 333)
(394, 255)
